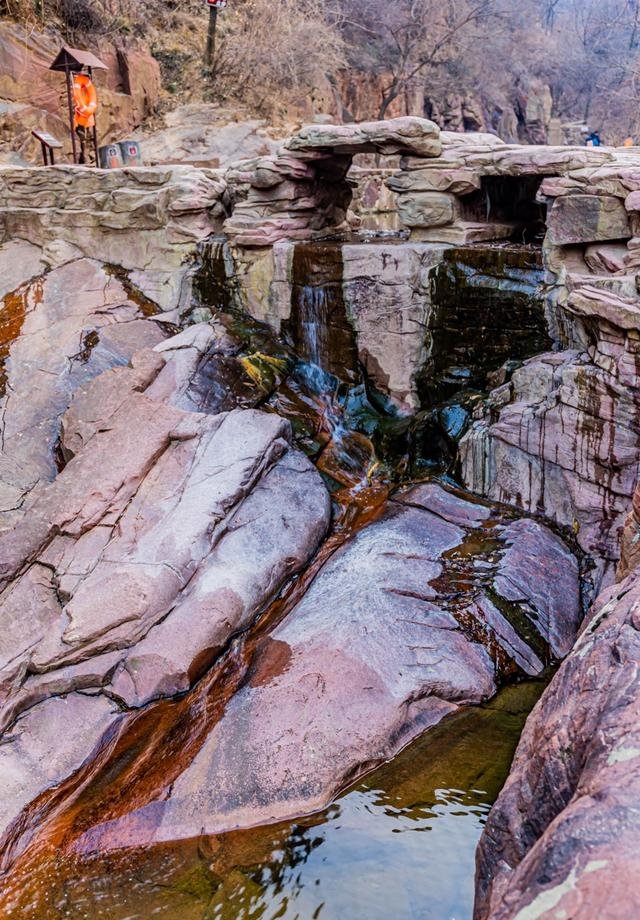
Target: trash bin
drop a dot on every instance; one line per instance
(110, 156)
(131, 155)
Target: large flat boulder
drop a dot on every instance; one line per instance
(202, 134)
(407, 135)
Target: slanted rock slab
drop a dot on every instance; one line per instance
(563, 839)
(161, 517)
(403, 625)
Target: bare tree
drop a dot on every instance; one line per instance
(408, 38)
(599, 41)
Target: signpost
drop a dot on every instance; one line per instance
(48, 143)
(214, 6)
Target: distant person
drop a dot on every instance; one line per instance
(627, 142)
(593, 139)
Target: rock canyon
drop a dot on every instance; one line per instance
(303, 458)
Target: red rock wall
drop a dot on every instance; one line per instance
(35, 96)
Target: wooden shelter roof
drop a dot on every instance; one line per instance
(74, 59)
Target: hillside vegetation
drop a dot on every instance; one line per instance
(497, 65)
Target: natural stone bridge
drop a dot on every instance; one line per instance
(560, 437)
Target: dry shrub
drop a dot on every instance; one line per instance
(269, 51)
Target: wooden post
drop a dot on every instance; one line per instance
(71, 111)
(94, 130)
(211, 37)
(48, 142)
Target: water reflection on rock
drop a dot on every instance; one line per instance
(399, 845)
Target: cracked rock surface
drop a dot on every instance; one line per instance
(57, 331)
(165, 533)
(136, 537)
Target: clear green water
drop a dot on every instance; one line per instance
(399, 845)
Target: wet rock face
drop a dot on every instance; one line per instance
(424, 611)
(421, 321)
(563, 838)
(488, 309)
(318, 326)
(135, 565)
(351, 307)
(562, 437)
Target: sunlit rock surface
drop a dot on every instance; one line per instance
(60, 332)
(200, 134)
(423, 611)
(145, 220)
(563, 838)
(408, 135)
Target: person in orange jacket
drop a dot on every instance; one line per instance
(85, 101)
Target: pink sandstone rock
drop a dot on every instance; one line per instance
(567, 442)
(196, 523)
(396, 631)
(630, 541)
(562, 840)
(69, 325)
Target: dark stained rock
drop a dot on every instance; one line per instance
(563, 838)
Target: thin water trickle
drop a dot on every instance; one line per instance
(314, 316)
(401, 843)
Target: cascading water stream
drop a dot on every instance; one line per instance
(298, 869)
